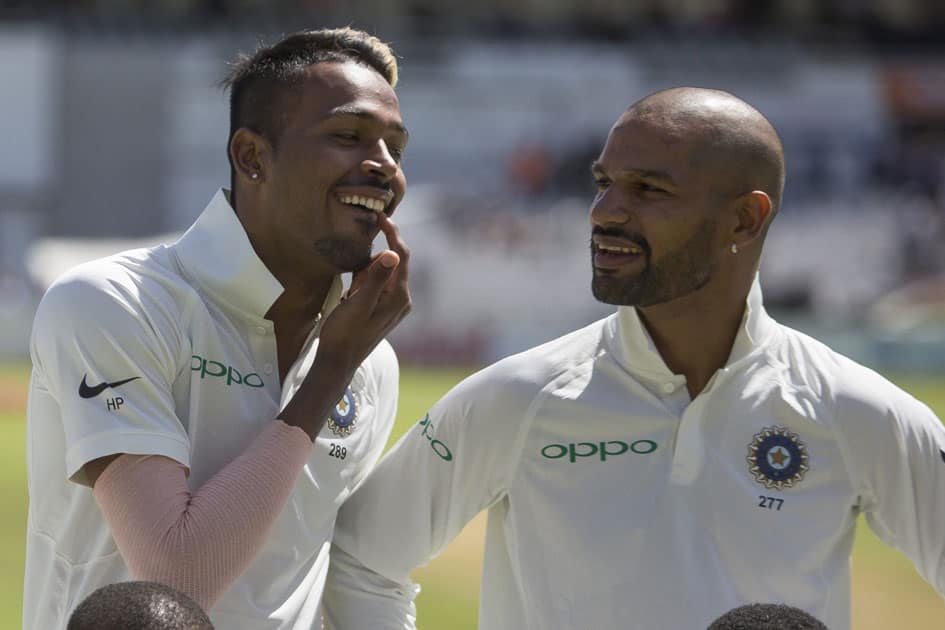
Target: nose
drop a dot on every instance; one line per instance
(380, 164)
(608, 209)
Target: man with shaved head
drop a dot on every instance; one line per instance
(680, 458)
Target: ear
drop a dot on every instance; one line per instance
(752, 215)
(249, 153)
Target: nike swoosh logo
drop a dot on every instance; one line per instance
(86, 391)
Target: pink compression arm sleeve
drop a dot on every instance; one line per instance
(200, 542)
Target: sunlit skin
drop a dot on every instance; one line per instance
(344, 136)
(679, 182)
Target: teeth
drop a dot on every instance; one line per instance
(367, 202)
(620, 250)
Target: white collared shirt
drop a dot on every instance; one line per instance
(616, 502)
(186, 323)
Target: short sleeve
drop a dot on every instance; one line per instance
(896, 449)
(104, 361)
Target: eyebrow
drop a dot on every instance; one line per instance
(598, 169)
(349, 110)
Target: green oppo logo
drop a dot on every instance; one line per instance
(601, 449)
(438, 447)
(216, 369)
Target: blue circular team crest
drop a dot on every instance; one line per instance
(344, 415)
(777, 458)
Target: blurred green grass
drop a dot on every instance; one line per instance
(887, 591)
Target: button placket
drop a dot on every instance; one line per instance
(688, 454)
(263, 344)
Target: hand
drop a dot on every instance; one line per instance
(398, 277)
(378, 300)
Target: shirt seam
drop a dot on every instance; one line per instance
(862, 491)
(560, 380)
(113, 435)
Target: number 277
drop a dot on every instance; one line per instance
(772, 503)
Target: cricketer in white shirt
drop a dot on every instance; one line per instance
(680, 458)
(615, 502)
(176, 338)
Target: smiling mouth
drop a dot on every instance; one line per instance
(361, 201)
(619, 249)
(613, 253)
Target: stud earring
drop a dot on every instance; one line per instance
(734, 248)
(255, 175)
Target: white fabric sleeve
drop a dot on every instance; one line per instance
(384, 370)
(896, 449)
(108, 352)
(455, 462)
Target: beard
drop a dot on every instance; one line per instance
(680, 272)
(344, 254)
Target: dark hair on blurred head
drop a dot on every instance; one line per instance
(766, 617)
(138, 606)
(262, 85)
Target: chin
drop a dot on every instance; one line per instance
(345, 255)
(607, 291)
(623, 292)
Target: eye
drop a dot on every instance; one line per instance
(346, 137)
(648, 188)
(396, 152)
(601, 183)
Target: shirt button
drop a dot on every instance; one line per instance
(267, 368)
(668, 388)
(261, 330)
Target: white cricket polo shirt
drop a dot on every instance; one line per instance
(166, 351)
(616, 502)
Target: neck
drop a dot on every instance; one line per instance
(694, 334)
(304, 287)
(300, 302)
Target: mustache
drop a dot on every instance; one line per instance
(368, 182)
(633, 237)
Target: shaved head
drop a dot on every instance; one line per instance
(731, 141)
(687, 184)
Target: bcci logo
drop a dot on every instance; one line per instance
(777, 458)
(344, 416)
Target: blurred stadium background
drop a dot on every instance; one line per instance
(114, 130)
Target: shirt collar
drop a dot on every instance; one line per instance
(217, 256)
(636, 352)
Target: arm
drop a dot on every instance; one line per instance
(455, 462)
(896, 447)
(165, 533)
(200, 542)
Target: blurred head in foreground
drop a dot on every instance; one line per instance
(138, 606)
(766, 617)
